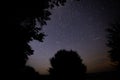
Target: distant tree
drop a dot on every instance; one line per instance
(114, 43)
(67, 65)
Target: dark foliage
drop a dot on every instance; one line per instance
(19, 28)
(28, 73)
(114, 43)
(67, 65)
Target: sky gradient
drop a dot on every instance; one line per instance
(79, 26)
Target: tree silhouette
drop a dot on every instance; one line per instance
(114, 43)
(20, 27)
(67, 65)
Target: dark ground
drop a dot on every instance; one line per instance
(104, 76)
(95, 76)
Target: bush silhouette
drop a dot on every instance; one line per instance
(28, 73)
(67, 65)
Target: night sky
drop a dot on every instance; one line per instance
(79, 26)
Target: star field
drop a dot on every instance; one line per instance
(79, 26)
